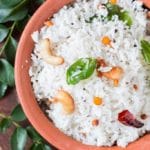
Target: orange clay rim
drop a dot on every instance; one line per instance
(27, 97)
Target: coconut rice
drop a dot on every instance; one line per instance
(73, 36)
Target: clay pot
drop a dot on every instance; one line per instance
(27, 97)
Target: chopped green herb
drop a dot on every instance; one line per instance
(113, 10)
(91, 19)
(117, 10)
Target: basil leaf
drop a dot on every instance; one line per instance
(33, 134)
(4, 124)
(10, 49)
(13, 14)
(3, 88)
(80, 70)
(3, 32)
(6, 73)
(18, 114)
(124, 16)
(146, 50)
(18, 139)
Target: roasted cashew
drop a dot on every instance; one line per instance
(66, 100)
(47, 55)
(114, 74)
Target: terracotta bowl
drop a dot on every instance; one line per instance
(27, 97)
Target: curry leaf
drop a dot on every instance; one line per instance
(39, 2)
(146, 50)
(18, 139)
(3, 88)
(15, 13)
(124, 16)
(3, 32)
(9, 3)
(47, 147)
(40, 146)
(10, 49)
(21, 24)
(114, 9)
(33, 134)
(18, 114)
(4, 124)
(80, 70)
(6, 73)
(37, 146)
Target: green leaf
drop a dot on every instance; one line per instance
(6, 73)
(112, 10)
(3, 88)
(33, 134)
(9, 3)
(10, 49)
(18, 139)
(146, 50)
(37, 146)
(18, 114)
(40, 146)
(21, 24)
(3, 32)
(124, 16)
(13, 14)
(4, 124)
(82, 69)
(47, 147)
(39, 2)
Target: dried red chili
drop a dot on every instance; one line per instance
(127, 118)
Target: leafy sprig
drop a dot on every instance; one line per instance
(14, 15)
(21, 134)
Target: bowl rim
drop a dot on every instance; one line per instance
(26, 96)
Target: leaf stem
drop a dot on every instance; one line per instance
(10, 33)
(2, 115)
(15, 124)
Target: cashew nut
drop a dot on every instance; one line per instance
(66, 100)
(47, 55)
(114, 74)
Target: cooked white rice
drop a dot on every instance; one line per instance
(74, 38)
